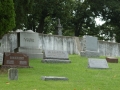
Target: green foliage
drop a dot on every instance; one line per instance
(79, 75)
(7, 16)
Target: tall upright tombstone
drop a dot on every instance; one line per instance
(89, 46)
(28, 42)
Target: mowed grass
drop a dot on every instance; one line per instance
(80, 76)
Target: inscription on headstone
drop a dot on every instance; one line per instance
(15, 60)
(97, 63)
(52, 56)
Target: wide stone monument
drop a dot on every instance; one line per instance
(11, 60)
(28, 42)
(89, 46)
(97, 63)
(54, 56)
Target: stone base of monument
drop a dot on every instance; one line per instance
(33, 53)
(55, 78)
(55, 61)
(112, 59)
(14, 66)
(89, 53)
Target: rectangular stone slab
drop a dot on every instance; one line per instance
(112, 59)
(1, 58)
(97, 63)
(53, 54)
(55, 61)
(55, 78)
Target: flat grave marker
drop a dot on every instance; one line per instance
(112, 59)
(1, 58)
(97, 63)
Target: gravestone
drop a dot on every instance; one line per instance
(112, 59)
(89, 46)
(28, 42)
(15, 60)
(13, 74)
(54, 56)
(1, 58)
(97, 63)
(55, 78)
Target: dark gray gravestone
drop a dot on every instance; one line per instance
(13, 74)
(1, 58)
(97, 63)
(53, 56)
(55, 78)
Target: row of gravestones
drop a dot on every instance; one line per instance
(28, 48)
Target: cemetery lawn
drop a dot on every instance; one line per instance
(80, 76)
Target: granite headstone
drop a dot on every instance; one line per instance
(97, 63)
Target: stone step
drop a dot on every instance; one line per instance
(55, 78)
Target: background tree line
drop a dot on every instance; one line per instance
(77, 17)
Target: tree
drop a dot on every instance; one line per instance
(7, 16)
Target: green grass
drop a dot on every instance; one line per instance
(80, 77)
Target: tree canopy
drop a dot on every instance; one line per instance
(7, 16)
(77, 16)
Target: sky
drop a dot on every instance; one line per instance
(99, 21)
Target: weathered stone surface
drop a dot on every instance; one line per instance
(97, 63)
(13, 74)
(1, 58)
(52, 56)
(28, 40)
(55, 54)
(89, 54)
(55, 61)
(55, 78)
(112, 59)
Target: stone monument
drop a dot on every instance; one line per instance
(97, 63)
(11, 60)
(59, 28)
(89, 46)
(1, 58)
(54, 56)
(28, 42)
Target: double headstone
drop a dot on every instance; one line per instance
(53, 56)
(15, 60)
(28, 42)
(89, 46)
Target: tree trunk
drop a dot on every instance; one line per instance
(40, 28)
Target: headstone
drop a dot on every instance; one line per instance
(59, 27)
(112, 59)
(15, 60)
(55, 78)
(89, 46)
(13, 74)
(28, 42)
(54, 56)
(1, 58)
(97, 63)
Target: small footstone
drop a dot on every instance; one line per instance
(12, 74)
